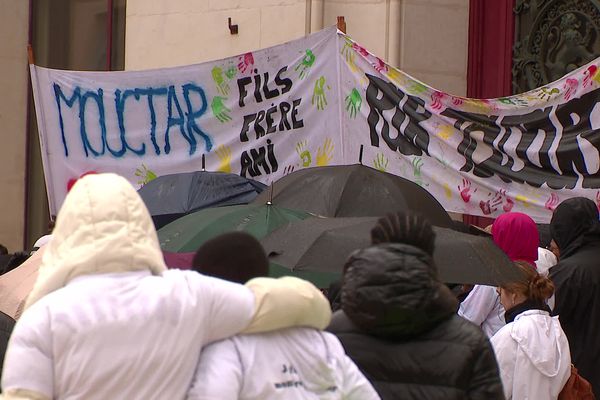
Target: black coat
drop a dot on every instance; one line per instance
(399, 326)
(576, 231)
(6, 326)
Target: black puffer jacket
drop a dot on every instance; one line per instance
(399, 326)
(576, 231)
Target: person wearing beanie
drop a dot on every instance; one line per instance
(294, 363)
(106, 320)
(576, 231)
(532, 350)
(398, 322)
(516, 234)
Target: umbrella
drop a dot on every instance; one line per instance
(322, 245)
(353, 191)
(169, 197)
(15, 285)
(189, 232)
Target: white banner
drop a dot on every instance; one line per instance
(314, 102)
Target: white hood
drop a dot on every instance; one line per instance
(102, 227)
(542, 340)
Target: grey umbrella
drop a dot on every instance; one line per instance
(324, 244)
(353, 191)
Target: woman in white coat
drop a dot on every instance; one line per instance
(532, 349)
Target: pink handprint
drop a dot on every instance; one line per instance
(491, 204)
(436, 98)
(380, 66)
(360, 50)
(589, 75)
(509, 203)
(457, 101)
(570, 87)
(465, 190)
(552, 202)
(246, 61)
(598, 199)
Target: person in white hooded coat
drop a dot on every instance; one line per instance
(532, 350)
(106, 320)
(288, 364)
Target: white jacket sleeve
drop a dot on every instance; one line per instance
(219, 373)
(505, 349)
(478, 304)
(28, 371)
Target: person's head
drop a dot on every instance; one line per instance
(235, 256)
(102, 227)
(533, 287)
(571, 220)
(517, 235)
(408, 228)
(3, 250)
(392, 289)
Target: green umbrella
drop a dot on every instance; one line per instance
(188, 233)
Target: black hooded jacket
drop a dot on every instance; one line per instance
(576, 231)
(399, 326)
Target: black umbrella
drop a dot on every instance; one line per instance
(353, 191)
(324, 244)
(169, 197)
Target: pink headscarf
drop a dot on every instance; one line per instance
(517, 235)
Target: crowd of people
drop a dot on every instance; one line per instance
(106, 319)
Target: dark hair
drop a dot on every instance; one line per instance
(3, 249)
(15, 260)
(408, 228)
(235, 256)
(533, 286)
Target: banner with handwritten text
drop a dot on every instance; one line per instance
(314, 102)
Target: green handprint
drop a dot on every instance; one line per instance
(146, 175)
(347, 50)
(325, 153)
(417, 164)
(220, 110)
(304, 65)
(303, 153)
(217, 75)
(353, 103)
(381, 162)
(417, 88)
(546, 94)
(319, 94)
(231, 72)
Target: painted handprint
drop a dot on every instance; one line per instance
(445, 131)
(491, 204)
(589, 74)
(353, 103)
(219, 79)
(318, 96)
(360, 50)
(224, 154)
(231, 72)
(508, 203)
(325, 153)
(416, 88)
(246, 61)
(547, 94)
(457, 101)
(447, 191)
(417, 164)
(380, 66)
(220, 110)
(552, 202)
(303, 153)
(465, 190)
(436, 100)
(347, 50)
(523, 200)
(144, 174)
(304, 65)
(598, 200)
(570, 87)
(380, 162)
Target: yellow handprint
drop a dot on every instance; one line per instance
(380, 162)
(224, 154)
(325, 153)
(445, 131)
(447, 191)
(523, 200)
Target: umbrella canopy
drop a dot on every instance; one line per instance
(189, 232)
(353, 191)
(169, 197)
(322, 245)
